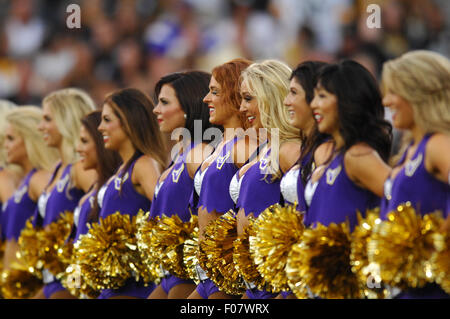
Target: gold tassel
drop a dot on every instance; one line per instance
(244, 261)
(53, 246)
(28, 253)
(402, 246)
(18, 283)
(321, 261)
(216, 254)
(276, 229)
(108, 253)
(167, 243)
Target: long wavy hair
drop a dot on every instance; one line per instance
(227, 75)
(135, 112)
(68, 106)
(307, 74)
(25, 121)
(359, 104)
(268, 82)
(190, 87)
(108, 161)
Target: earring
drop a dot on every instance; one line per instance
(185, 116)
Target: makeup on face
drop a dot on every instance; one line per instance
(14, 145)
(49, 129)
(86, 149)
(111, 128)
(249, 107)
(168, 111)
(325, 111)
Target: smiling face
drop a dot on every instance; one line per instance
(325, 111)
(169, 113)
(249, 107)
(14, 145)
(402, 112)
(86, 149)
(218, 113)
(111, 129)
(300, 113)
(47, 126)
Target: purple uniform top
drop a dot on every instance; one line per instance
(213, 188)
(174, 193)
(120, 195)
(426, 194)
(18, 209)
(337, 198)
(257, 190)
(415, 184)
(63, 197)
(81, 214)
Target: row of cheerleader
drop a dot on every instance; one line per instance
(283, 184)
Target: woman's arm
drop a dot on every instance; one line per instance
(38, 182)
(145, 176)
(288, 155)
(196, 156)
(83, 179)
(437, 157)
(366, 168)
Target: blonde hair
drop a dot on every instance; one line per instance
(5, 107)
(68, 107)
(423, 79)
(25, 121)
(268, 81)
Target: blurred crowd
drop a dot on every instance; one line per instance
(132, 43)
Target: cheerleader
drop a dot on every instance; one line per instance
(180, 105)
(129, 127)
(347, 106)
(416, 90)
(256, 185)
(9, 178)
(25, 147)
(298, 103)
(60, 126)
(93, 156)
(213, 177)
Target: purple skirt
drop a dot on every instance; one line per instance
(206, 288)
(51, 288)
(170, 281)
(259, 294)
(430, 291)
(130, 289)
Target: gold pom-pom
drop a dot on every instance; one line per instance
(321, 261)
(28, 252)
(244, 261)
(168, 238)
(149, 268)
(402, 246)
(18, 283)
(73, 281)
(276, 229)
(190, 256)
(216, 254)
(52, 239)
(108, 253)
(441, 260)
(359, 261)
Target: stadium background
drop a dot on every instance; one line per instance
(132, 43)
